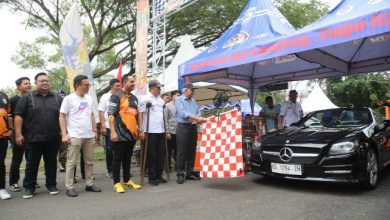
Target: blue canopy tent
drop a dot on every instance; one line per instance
(262, 48)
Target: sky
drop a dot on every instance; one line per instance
(14, 31)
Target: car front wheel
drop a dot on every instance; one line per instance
(371, 170)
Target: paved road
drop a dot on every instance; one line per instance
(250, 197)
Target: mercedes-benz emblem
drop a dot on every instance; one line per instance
(285, 154)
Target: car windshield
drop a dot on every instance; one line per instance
(337, 118)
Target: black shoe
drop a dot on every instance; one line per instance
(71, 192)
(161, 180)
(192, 176)
(154, 182)
(53, 190)
(92, 188)
(28, 194)
(180, 179)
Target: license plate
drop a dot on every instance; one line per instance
(290, 169)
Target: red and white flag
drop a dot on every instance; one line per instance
(221, 147)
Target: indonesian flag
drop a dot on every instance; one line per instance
(221, 147)
(119, 75)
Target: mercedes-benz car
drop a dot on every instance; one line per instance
(335, 145)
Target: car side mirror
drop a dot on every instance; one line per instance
(386, 123)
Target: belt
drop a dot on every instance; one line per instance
(186, 124)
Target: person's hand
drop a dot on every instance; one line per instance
(66, 139)
(141, 135)
(114, 136)
(103, 130)
(168, 136)
(201, 120)
(379, 102)
(19, 140)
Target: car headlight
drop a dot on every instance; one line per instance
(256, 145)
(342, 148)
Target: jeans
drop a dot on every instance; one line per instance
(3, 154)
(186, 137)
(122, 157)
(17, 158)
(34, 152)
(109, 151)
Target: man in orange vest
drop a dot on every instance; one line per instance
(386, 104)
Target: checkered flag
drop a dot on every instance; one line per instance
(221, 147)
(158, 7)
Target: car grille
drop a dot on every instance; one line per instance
(300, 154)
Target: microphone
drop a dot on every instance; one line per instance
(148, 104)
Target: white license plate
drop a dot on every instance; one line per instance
(290, 169)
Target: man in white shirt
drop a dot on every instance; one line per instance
(78, 130)
(155, 131)
(115, 86)
(291, 111)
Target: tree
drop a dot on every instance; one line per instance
(110, 30)
(359, 90)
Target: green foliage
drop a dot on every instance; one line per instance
(301, 13)
(278, 97)
(10, 91)
(356, 90)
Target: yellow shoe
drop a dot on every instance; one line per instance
(132, 185)
(118, 188)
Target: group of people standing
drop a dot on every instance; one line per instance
(40, 123)
(274, 116)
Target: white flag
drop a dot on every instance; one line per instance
(75, 51)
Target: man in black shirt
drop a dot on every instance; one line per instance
(37, 126)
(24, 86)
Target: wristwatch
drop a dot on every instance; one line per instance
(140, 129)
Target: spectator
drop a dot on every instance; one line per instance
(115, 86)
(166, 98)
(37, 126)
(24, 86)
(291, 111)
(188, 116)
(123, 112)
(156, 147)
(5, 133)
(170, 117)
(270, 114)
(78, 130)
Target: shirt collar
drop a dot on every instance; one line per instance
(36, 93)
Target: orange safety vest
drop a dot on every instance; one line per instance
(387, 110)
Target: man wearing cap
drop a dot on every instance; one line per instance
(155, 131)
(188, 116)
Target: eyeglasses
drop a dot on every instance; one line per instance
(43, 81)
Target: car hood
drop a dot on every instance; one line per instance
(295, 135)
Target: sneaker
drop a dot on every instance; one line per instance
(62, 168)
(180, 179)
(71, 192)
(53, 190)
(153, 182)
(109, 175)
(131, 185)
(28, 194)
(15, 187)
(161, 180)
(118, 188)
(4, 194)
(92, 188)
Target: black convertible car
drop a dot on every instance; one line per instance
(336, 145)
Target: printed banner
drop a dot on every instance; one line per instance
(141, 64)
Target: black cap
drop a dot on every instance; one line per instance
(155, 83)
(189, 86)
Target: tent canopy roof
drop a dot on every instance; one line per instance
(261, 47)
